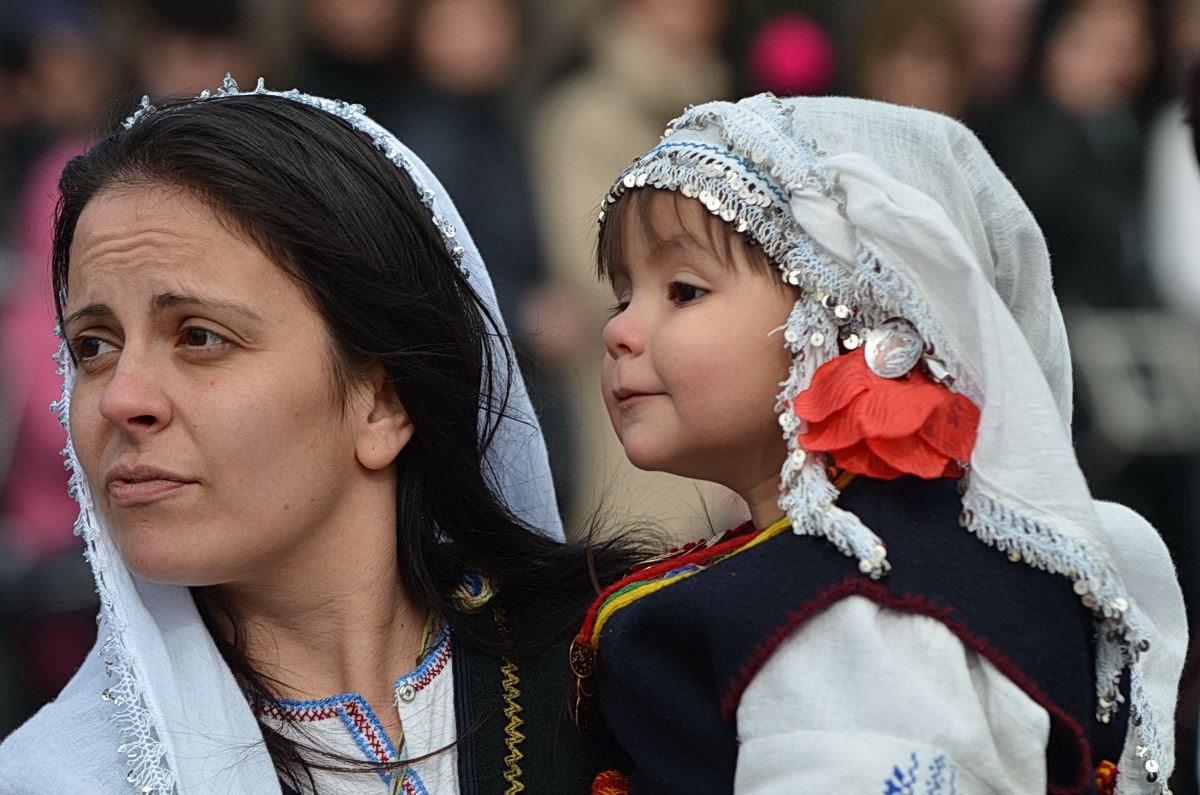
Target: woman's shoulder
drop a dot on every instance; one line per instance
(69, 745)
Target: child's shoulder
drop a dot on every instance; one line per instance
(741, 600)
(694, 637)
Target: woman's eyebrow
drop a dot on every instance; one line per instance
(159, 304)
(164, 301)
(98, 311)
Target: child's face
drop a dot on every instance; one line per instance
(694, 359)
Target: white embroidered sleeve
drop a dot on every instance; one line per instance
(867, 699)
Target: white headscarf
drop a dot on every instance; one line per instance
(155, 709)
(879, 211)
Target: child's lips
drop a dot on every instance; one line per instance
(629, 398)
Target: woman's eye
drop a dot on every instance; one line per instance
(201, 338)
(88, 348)
(683, 293)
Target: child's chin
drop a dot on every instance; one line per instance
(646, 463)
(649, 462)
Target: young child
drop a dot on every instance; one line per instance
(842, 311)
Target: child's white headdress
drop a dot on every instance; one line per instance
(879, 212)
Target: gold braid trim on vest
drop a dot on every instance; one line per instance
(512, 709)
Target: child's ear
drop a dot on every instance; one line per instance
(386, 427)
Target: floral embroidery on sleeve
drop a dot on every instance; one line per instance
(933, 779)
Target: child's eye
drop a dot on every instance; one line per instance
(623, 298)
(683, 293)
(195, 337)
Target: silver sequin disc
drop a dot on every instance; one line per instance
(893, 348)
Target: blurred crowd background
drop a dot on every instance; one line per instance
(528, 109)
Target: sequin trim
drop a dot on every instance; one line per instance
(766, 157)
(149, 764)
(356, 116)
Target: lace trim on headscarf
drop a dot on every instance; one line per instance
(514, 463)
(765, 160)
(149, 769)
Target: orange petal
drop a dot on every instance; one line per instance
(952, 427)
(896, 408)
(911, 455)
(833, 386)
(861, 459)
(841, 429)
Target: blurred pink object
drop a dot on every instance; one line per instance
(791, 54)
(38, 511)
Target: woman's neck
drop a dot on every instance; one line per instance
(349, 626)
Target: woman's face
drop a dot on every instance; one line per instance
(204, 411)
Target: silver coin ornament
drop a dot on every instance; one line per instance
(893, 348)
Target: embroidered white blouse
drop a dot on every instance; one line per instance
(867, 699)
(345, 724)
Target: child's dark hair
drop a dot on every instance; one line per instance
(630, 214)
(331, 210)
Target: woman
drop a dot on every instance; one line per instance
(306, 467)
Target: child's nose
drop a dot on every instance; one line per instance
(622, 334)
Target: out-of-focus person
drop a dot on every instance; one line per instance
(174, 47)
(1000, 40)
(912, 52)
(61, 80)
(647, 59)
(1173, 246)
(1172, 178)
(1094, 84)
(352, 49)
(456, 110)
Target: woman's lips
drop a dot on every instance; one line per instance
(139, 485)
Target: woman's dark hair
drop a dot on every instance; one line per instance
(330, 209)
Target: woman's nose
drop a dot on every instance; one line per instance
(134, 400)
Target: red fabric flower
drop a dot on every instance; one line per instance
(886, 427)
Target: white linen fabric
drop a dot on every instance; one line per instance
(346, 725)
(154, 708)
(887, 211)
(919, 711)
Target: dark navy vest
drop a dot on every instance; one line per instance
(672, 665)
